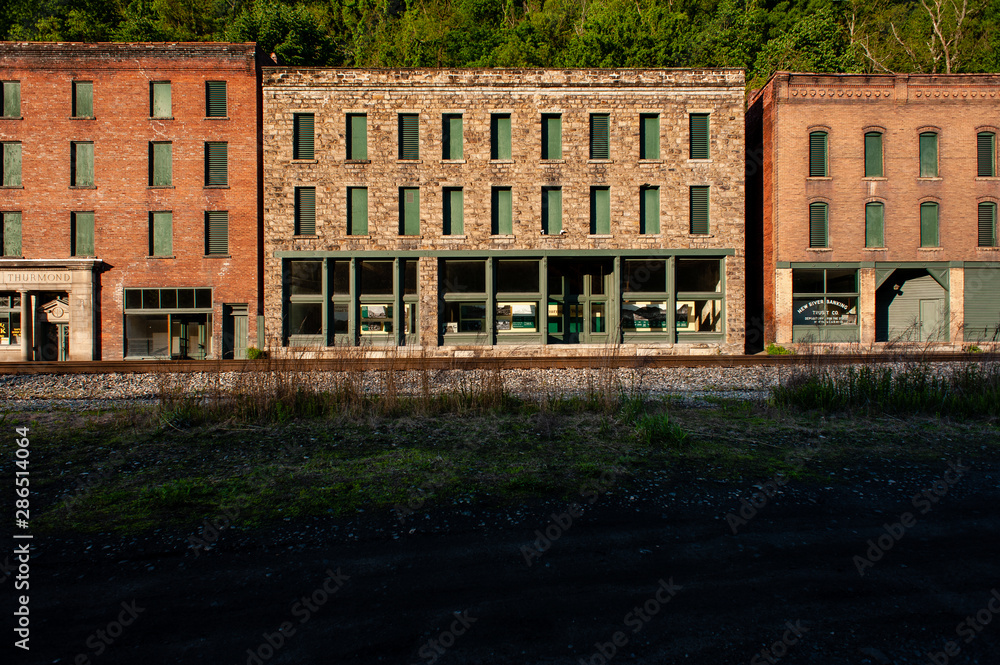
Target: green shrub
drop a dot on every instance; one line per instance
(775, 350)
(659, 429)
(253, 353)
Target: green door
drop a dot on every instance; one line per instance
(931, 320)
(578, 302)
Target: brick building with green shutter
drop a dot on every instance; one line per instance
(527, 211)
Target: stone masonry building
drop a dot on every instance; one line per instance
(531, 211)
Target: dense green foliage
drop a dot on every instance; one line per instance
(761, 35)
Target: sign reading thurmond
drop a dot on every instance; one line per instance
(28, 277)
(825, 312)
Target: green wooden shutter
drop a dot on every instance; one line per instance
(649, 215)
(161, 236)
(698, 124)
(552, 210)
(12, 99)
(305, 211)
(928, 155)
(83, 99)
(454, 218)
(409, 136)
(409, 204)
(986, 154)
(451, 143)
(216, 106)
(83, 165)
(982, 304)
(600, 210)
(160, 104)
(873, 155)
(987, 224)
(162, 167)
(83, 234)
(600, 137)
(649, 139)
(874, 225)
(357, 125)
(818, 222)
(503, 212)
(699, 210)
(357, 211)
(217, 232)
(928, 225)
(12, 234)
(818, 155)
(11, 164)
(303, 136)
(217, 163)
(551, 137)
(500, 147)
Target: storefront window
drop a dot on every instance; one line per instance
(304, 305)
(376, 319)
(376, 278)
(168, 323)
(10, 319)
(825, 305)
(517, 317)
(464, 317)
(644, 316)
(644, 276)
(698, 297)
(517, 276)
(463, 277)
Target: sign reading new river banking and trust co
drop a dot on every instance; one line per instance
(825, 312)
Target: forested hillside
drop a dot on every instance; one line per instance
(761, 35)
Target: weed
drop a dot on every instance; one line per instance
(660, 429)
(775, 350)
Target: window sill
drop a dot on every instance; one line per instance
(502, 236)
(874, 178)
(874, 249)
(819, 249)
(83, 117)
(11, 186)
(83, 186)
(216, 186)
(453, 161)
(355, 161)
(988, 178)
(699, 161)
(351, 236)
(650, 236)
(694, 236)
(556, 236)
(448, 236)
(218, 256)
(650, 161)
(988, 249)
(599, 236)
(157, 258)
(216, 117)
(600, 161)
(305, 161)
(818, 178)
(406, 237)
(409, 161)
(929, 178)
(161, 187)
(156, 117)
(11, 117)
(930, 249)
(304, 236)
(501, 161)
(547, 162)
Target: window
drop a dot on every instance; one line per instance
(928, 224)
(11, 164)
(83, 99)
(928, 155)
(216, 164)
(825, 305)
(357, 136)
(551, 136)
(451, 136)
(11, 99)
(11, 233)
(502, 212)
(10, 319)
(600, 210)
(644, 297)
(649, 210)
(82, 234)
(600, 137)
(698, 124)
(454, 223)
(818, 167)
(357, 211)
(873, 155)
(649, 136)
(818, 222)
(161, 234)
(303, 136)
(217, 233)
(409, 211)
(409, 136)
(987, 224)
(159, 100)
(986, 155)
(500, 136)
(463, 288)
(552, 211)
(162, 323)
(215, 99)
(304, 290)
(699, 210)
(874, 225)
(81, 165)
(160, 165)
(305, 211)
(698, 296)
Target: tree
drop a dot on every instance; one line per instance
(293, 34)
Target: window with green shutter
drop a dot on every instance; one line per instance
(11, 233)
(303, 136)
(82, 234)
(552, 211)
(409, 136)
(551, 136)
(11, 164)
(357, 211)
(451, 136)
(159, 100)
(305, 211)
(161, 234)
(502, 216)
(928, 224)
(698, 124)
(215, 99)
(818, 158)
(819, 219)
(699, 210)
(357, 136)
(454, 212)
(216, 164)
(987, 224)
(649, 210)
(11, 99)
(83, 99)
(500, 136)
(873, 155)
(81, 164)
(649, 136)
(928, 155)
(986, 154)
(409, 211)
(600, 136)
(874, 225)
(600, 211)
(161, 165)
(217, 232)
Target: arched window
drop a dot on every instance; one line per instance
(818, 223)
(987, 224)
(818, 161)
(928, 155)
(986, 151)
(928, 224)
(874, 225)
(873, 155)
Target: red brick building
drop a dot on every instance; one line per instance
(872, 209)
(130, 200)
